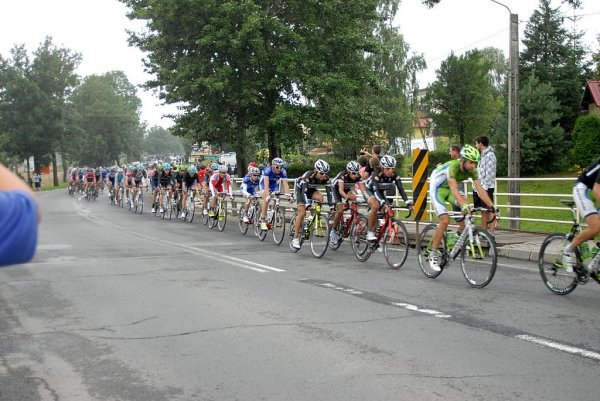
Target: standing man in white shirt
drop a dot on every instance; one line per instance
(487, 177)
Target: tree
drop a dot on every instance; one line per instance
(104, 120)
(586, 138)
(281, 71)
(596, 61)
(541, 134)
(33, 99)
(158, 141)
(556, 57)
(460, 101)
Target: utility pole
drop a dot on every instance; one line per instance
(514, 153)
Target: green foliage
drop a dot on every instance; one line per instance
(276, 74)
(160, 142)
(557, 57)
(542, 138)
(586, 137)
(104, 120)
(461, 101)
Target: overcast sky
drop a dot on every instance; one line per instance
(96, 29)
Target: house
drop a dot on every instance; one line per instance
(591, 98)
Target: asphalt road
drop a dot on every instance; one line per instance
(118, 306)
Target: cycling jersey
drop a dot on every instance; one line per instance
(439, 190)
(166, 179)
(190, 180)
(217, 181)
(249, 187)
(273, 177)
(349, 181)
(18, 227)
(306, 186)
(591, 175)
(378, 183)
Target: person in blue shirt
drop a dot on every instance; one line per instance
(18, 219)
(269, 182)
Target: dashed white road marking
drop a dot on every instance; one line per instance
(559, 346)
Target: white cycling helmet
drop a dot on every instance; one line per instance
(278, 161)
(388, 161)
(353, 167)
(223, 168)
(322, 166)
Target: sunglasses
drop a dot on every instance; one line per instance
(255, 175)
(353, 173)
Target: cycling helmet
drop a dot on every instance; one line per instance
(183, 167)
(353, 167)
(223, 168)
(388, 161)
(278, 161)
(192, 170)
(214, 166)
(167, 166)
(254, 170)
(120, 170)
(160, 167)
(322, 166)
(469, 153)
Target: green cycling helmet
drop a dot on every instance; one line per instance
(470, 153)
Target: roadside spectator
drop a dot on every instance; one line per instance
(487, 176)
(18, 219)
(375, 155)
(37, 181)
(454, 151)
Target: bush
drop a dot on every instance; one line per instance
(586, 138)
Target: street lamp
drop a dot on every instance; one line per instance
(514, 157)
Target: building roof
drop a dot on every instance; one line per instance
(591, 95)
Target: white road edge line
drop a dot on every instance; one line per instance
(560, 347)
(257, 267)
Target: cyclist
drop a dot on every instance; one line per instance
(189, 183)
(382, 179)
(586, 186)
(90, 179)
(219, 180)
(139, 174)
(306, 192)
(342, 188)
(214, 167)
(119, 178)
(110, 183)
(166, 181)
(269, 182)
(443, 188)
(249, 188)
(155, 178)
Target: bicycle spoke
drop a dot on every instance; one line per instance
(278, 226)
(358, 241)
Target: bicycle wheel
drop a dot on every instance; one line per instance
(358, 241)
(478, 261)
(191, 210)
(319, 235)
(278, 226)
(243, 226)
(395, 245)
(424, 249)
(120, 195)
(554, 275)
(169, 208)
(291, 233)
(222, 215)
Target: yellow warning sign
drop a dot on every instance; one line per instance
(419, 183)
